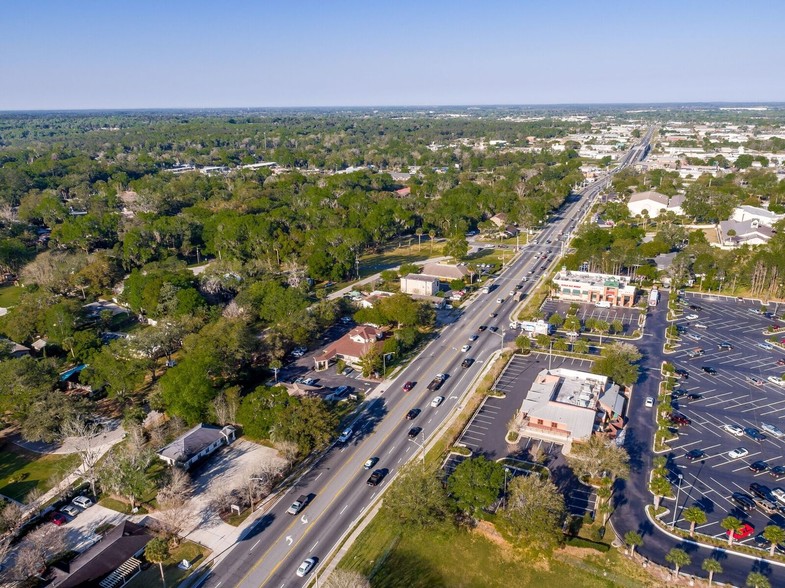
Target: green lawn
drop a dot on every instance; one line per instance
(193, 552)
(9, 295)
(21, 471)
(370, 264)
(464, 559)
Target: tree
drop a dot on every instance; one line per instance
(660, 487)
(347, 579)
(418, 498)
(580, 346)
(371, 361)
(618, 361)
(679, 558)
(712, 566)
(84, 439)
(307, 422)
(602, 327)
(556, 320)
(572, 324)
(173, 502)
(633, 539)
(731, 525)
(694, 515)
(36, 549)
(598, 457)
(114, 368)
(157, 551)
(124, 472)
(757, 580)
(457, 246)
(535, 510)
(476, 483)
(775, 534)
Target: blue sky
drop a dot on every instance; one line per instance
(171, 53)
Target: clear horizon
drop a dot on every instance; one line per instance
(347, 54)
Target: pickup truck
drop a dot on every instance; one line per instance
(297, 505)
(437, 382)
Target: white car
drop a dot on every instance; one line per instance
(772, 430)
(738, 452)
(82, 502)
(700, 326)
(305, 567)
(649, 401)
(437, 401)
(779, 494)
(776, 380)
(70, 510)
(766, 346)
(692, 317)
(693, 336)
(345, 436)
(499, 300)
(466, 348)
(735, 430)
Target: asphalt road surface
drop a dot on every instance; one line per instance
(273, 548)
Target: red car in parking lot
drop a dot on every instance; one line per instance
(742, 533)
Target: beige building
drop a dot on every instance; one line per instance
(420, 285)
(593, 288)
(447, 272)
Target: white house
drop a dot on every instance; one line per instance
(749, 232)
(764, 217)
(196, 444)
(654, 203)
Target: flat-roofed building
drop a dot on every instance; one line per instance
(420, 285)
(593, 288)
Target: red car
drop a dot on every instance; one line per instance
(408, 386)
(58, 519)
(745, 531)
(781, 362)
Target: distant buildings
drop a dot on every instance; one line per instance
(593, 287)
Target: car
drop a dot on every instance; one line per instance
(755, 381)
(679, 420)
(465, 348)
(376, 477)
(493, 329)
(725, 346)
(754, 310)
(298, 505)
(697, 352)
(735, 430)
(372, 461)
(473, 338)
(413, 432)
(759, 466)
(82, 502)
(682, 373)
(739, 452)
(777, 472)
(70, 510)
(761, 490)
(544, 267)
(753, 434)
(306, 567)
(709, 370)
(694, 396)
(408, 386)
(466, 363)
(781, 361)
(776, 380)
(437, 401)
(692, 317)
(679, 392)
(700, 326)
(695, 454)
(493, 315)
(437, 382)
(779, 494)
(772, 430)
(517, 287)
(766, 346)
(347, 370)
(412, 414)
(649, 401)
(761, 541)
(345, 435)
(58, 519)
(695, 307)
(309, 381)
(481, 328)
(742, 533)
(743, 500)
(512, 292)
(766, 505)
(499, 300)
(693, 336)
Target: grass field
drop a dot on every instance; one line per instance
(21, 471)
(468, 559)
(392, 258)
(9, 295)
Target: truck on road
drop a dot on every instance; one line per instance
(298, 505)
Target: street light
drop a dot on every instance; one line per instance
(421, 446)
(676, 506)
(501, 334)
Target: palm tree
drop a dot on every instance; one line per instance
(679, 558)
(712, 566)
(757, 580)
(432, 236)
(418, 231)
(660, 487)
(731, 525)
(157, 551)
(775, 534)
(694, 515)
(633, 539)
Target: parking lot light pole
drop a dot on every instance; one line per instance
(676, 506)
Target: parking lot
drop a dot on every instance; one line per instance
(485, 433)
(737, 394)
(627, 316)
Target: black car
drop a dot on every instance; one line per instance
(761, 541)
(759, 466)
(695, 454)
(679, 392)
(743, 500)
(753, 434)
(413, 432)
(412, 414)
(467, 362)
(695, 307)
(709, 370)
(679, 420)
(493, 329)
(682, 373)
(482, 328)
(376, 477)
(694, 396)
(760, 490)
(777, 472)
(725, 346)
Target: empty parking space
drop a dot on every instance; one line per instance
(722, 349)
(628, 317)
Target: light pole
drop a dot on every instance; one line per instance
(422, 449)
(501, 334)
(676, 506)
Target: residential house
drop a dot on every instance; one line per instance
(592, 287)
(351, 347)
(371, 299)
(732, 234)
(653, 203)
(111, 562)
(419, 285)
(15, 350)
(765, 217)
(196, 444)
(402, 192)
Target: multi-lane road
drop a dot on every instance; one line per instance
(272, 549)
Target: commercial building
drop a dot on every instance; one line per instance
(592, 287)
(420, 285)
(351, 347)
(654, 203)
(196, 444)
(448, 272)
(764, 217)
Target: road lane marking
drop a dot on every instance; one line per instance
(252, 548)
(342, 511)
(313, 547)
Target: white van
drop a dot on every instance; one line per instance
(603, 304)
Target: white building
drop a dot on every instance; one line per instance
(764, 217)
(654, 203)
(749, 232)
(420, 285)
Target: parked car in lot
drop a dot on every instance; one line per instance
(697, 352)
(777, 472)
(761, 541)
(693, 336)
(692, 317)
(735, 430)
(725, 346)
(766, 346)
(58, 519)
(412, 414)
(742, 533)
(679, 393)
(695, 454)
(755, 381)
(761, 490)
(649, 401)
(772, 430)
(738, 453)
(682, 373)
(743, 500)
(753, 434)
(758, 466)
(709, 370)
(776, 380)
(70, 510)
(82, 502)
(679, 420)
(700, 326)
(781, 361)
(765, 505)
(779, 494)
(347, 370)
